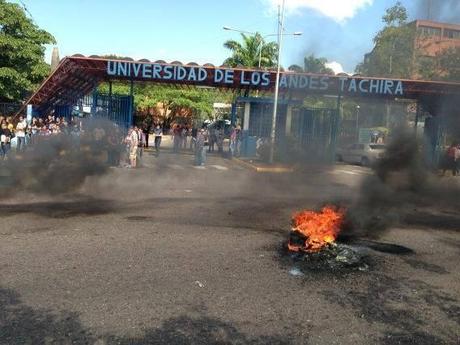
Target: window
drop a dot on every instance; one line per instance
(429, 31)
(449, 33)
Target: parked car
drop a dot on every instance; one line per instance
(364, 154)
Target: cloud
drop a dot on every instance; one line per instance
(338, 10)
(335, 66)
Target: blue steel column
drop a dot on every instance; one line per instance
(131, 104)
(233, 116)
(110, 102)
(335, 127)
(417, 118)
(94, 105)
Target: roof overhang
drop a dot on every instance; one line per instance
(76, 76)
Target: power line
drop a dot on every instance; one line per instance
(26, 10)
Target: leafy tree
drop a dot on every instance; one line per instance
(295, 68)
(393, 52)
(248, 52)
(396, 55)
(22, 50)
(169, 102)
(395, 16)
(313, 64)
(445, 65)
(449, 62)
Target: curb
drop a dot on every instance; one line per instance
(259, 169)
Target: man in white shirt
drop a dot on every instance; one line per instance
(133, 138)
(20, 133)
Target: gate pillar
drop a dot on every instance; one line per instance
(288, 120)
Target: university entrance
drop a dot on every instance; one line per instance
(302, 130)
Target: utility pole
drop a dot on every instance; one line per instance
(275, 102)
(429, 4)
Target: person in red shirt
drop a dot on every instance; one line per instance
(451, 156)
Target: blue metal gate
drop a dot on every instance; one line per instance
(310, 134)
(315, 131)
(116, 108)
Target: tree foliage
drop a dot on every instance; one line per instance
(312, 64)
(22, 50)
(174, 102)
(449, 62)
(445, 66)
(396, 55)
(393, 52)
(170, 102)
(248, 52)
(295, 68)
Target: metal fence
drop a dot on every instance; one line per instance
(116, 108)
(308, 134)
(315, 132)
(9, 109)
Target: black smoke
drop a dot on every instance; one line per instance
(59, 163)
(403, 180)
(447, 11)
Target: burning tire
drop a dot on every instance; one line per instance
(313, 240)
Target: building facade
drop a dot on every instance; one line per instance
(433, 38)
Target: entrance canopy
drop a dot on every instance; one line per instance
(78, 75)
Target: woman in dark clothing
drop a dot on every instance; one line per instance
(5, 139)
(158, 132)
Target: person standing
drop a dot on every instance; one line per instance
(193, 138)
(132, 141)
(457, 158)
(176, 137)
(200, 147)
(233, 136)
(5, 140)
(235, 139)
(212, 138)
(220, 139)
(158, 132)
(183, 137)
(141, 141)
(20, 133)
(34, 130)
(146, 127)
(450, 159)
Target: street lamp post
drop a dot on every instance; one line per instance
(280, 35)
(357, 122)
(278, 67)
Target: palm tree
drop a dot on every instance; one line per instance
(312, 64)
(248, 52)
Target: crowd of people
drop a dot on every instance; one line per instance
(121, 150)
(205, 139)
(22, 133)
(199, 140)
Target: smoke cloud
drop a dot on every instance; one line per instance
(438, 10)
(402, 180)
(59, 163)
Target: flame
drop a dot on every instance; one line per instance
(319, 228)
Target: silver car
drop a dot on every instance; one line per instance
(364, 154)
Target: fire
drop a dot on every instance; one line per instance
(316, 229)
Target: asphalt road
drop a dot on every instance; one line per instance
(173, 254)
